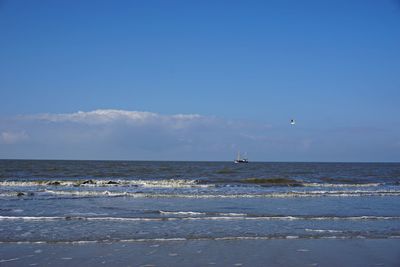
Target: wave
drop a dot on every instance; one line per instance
(272, 181)
(289, 194)
(342, 185)
(323, 230)
(180, 183)
(298, 183)
(202, 195)
(75, 218)
(185, 239)
(180, 213)
(220, 217)
(195, 213)
(165, 183)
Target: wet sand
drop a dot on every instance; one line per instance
(296, 252)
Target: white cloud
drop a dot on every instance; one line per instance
(8, 137)
(104, 116)
(117, 133)
(122, 134)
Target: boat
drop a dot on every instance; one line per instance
(239, 159)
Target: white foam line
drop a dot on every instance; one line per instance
(14, 259)
(127, 219)
(291, 194)
(181, 213)
(196, 213)
(182, 239)
(323, 231)
(341, 185)
(164, 183)
(88, 193)
(292, 218)
(59, 218)
(155, 239)
(31, 218)
(232, 214)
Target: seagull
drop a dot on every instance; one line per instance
(292, 122)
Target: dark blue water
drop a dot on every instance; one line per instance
(114, 201)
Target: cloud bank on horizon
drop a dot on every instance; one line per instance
(138, 135)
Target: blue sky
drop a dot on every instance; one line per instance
(244, 68)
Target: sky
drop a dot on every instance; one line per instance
(200, 80)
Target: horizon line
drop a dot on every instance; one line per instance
(216, 161)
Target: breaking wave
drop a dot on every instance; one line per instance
(179, 183)
(290, 194)
(216, 217)
(166, 183)
(184, 239)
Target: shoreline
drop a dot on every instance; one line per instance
(280, 252)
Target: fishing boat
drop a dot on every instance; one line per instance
(239, 159)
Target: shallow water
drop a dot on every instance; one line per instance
(69, 202)
(298, 252)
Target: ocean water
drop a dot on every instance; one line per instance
(77, 202)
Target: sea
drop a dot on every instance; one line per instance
(57, 202)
